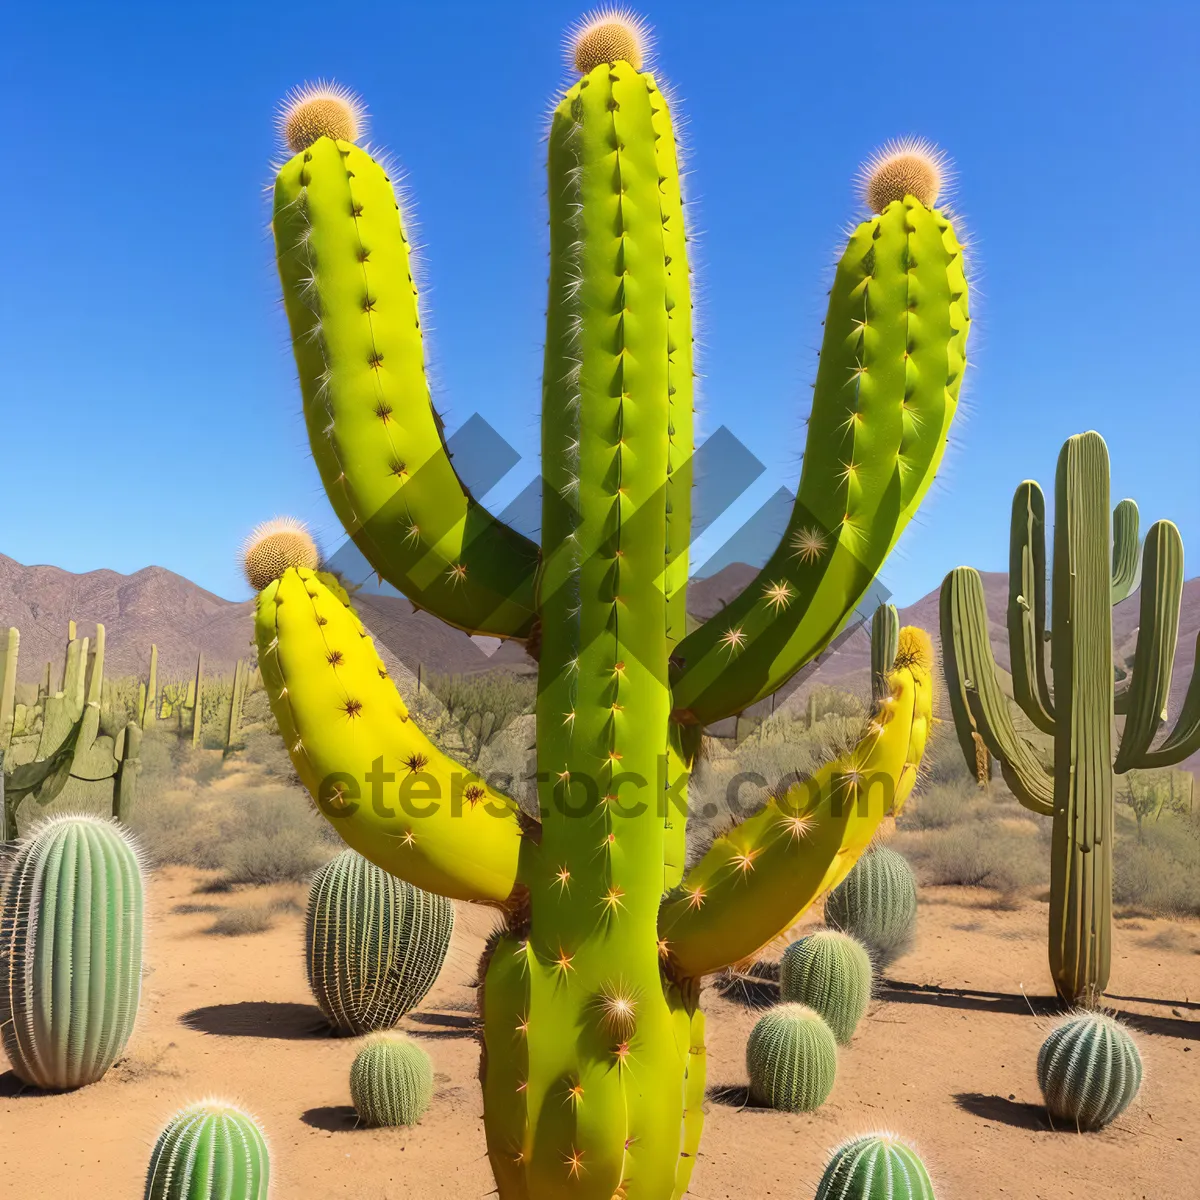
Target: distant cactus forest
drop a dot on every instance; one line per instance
(660, 910)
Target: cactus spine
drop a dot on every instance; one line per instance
(209, 1151)
(594, 1038)
(71, 944)
(876, 1166)
(877, 904)
(391, 1081)
(1089, 1070)
(374, 944)
(791, 1056)
(830, 972)
(1076, 703)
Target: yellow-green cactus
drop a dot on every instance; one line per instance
(593, 1072)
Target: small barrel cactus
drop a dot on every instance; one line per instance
(374, 943)
(209, 1151)
(876, 1166)
(71, 911)
(391, 1081)
(1089, 1070)
(791, 1056)
(830, 972)
(877, 903)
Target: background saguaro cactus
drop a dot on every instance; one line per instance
(1075, 703)
(593, 1071)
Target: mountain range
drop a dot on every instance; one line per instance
(183, 619)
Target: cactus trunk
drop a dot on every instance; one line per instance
(1082, 850)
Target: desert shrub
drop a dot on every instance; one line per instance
(942, 805)
(1160, 875)
(254, 836)
(987, 854)
(247, 918)
(483, 705)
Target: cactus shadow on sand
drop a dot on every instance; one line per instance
(259, 1018)
(444, 1025)
(332, 1118)
(1038, 1006)
(1005, 1112)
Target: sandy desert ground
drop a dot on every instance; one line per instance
(945, 1056)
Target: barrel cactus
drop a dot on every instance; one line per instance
(830, 972)
(877, 904)
(875, 1166)
(593, 1076)
(391, 1080)
(791, 1057)
(1089, 1070)
(71, 911)
(374, 943)
(209, 1151)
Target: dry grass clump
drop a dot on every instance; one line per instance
(251, 918)
(250, 835)
(1160, 875)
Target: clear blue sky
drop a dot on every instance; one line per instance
(148, 407)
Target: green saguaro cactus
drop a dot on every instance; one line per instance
(593, 1074)
(1074, 704)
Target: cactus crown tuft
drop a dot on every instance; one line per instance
(608, 35)
(273, 547)
(320, 109)
(912, 167)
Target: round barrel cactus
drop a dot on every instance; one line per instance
(877, 903)
(209, 1151)
(876, 1166)
(792, 1059)
(374, 943)
(71, 911)
(830, 972)
(391, 1081)
(1089, 1070)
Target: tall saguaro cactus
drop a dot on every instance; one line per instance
(1074, 704)
(593, 1072)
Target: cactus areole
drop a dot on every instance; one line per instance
(593, 1067)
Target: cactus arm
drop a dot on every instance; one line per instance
(1027, 606)
(1184, 740)
(973, 678)
(1125, 550)
(1158, 632)
(887, 388)
(389, 792)
(1081, 863)
(885, 640)
(756, 880)
(352, 305)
